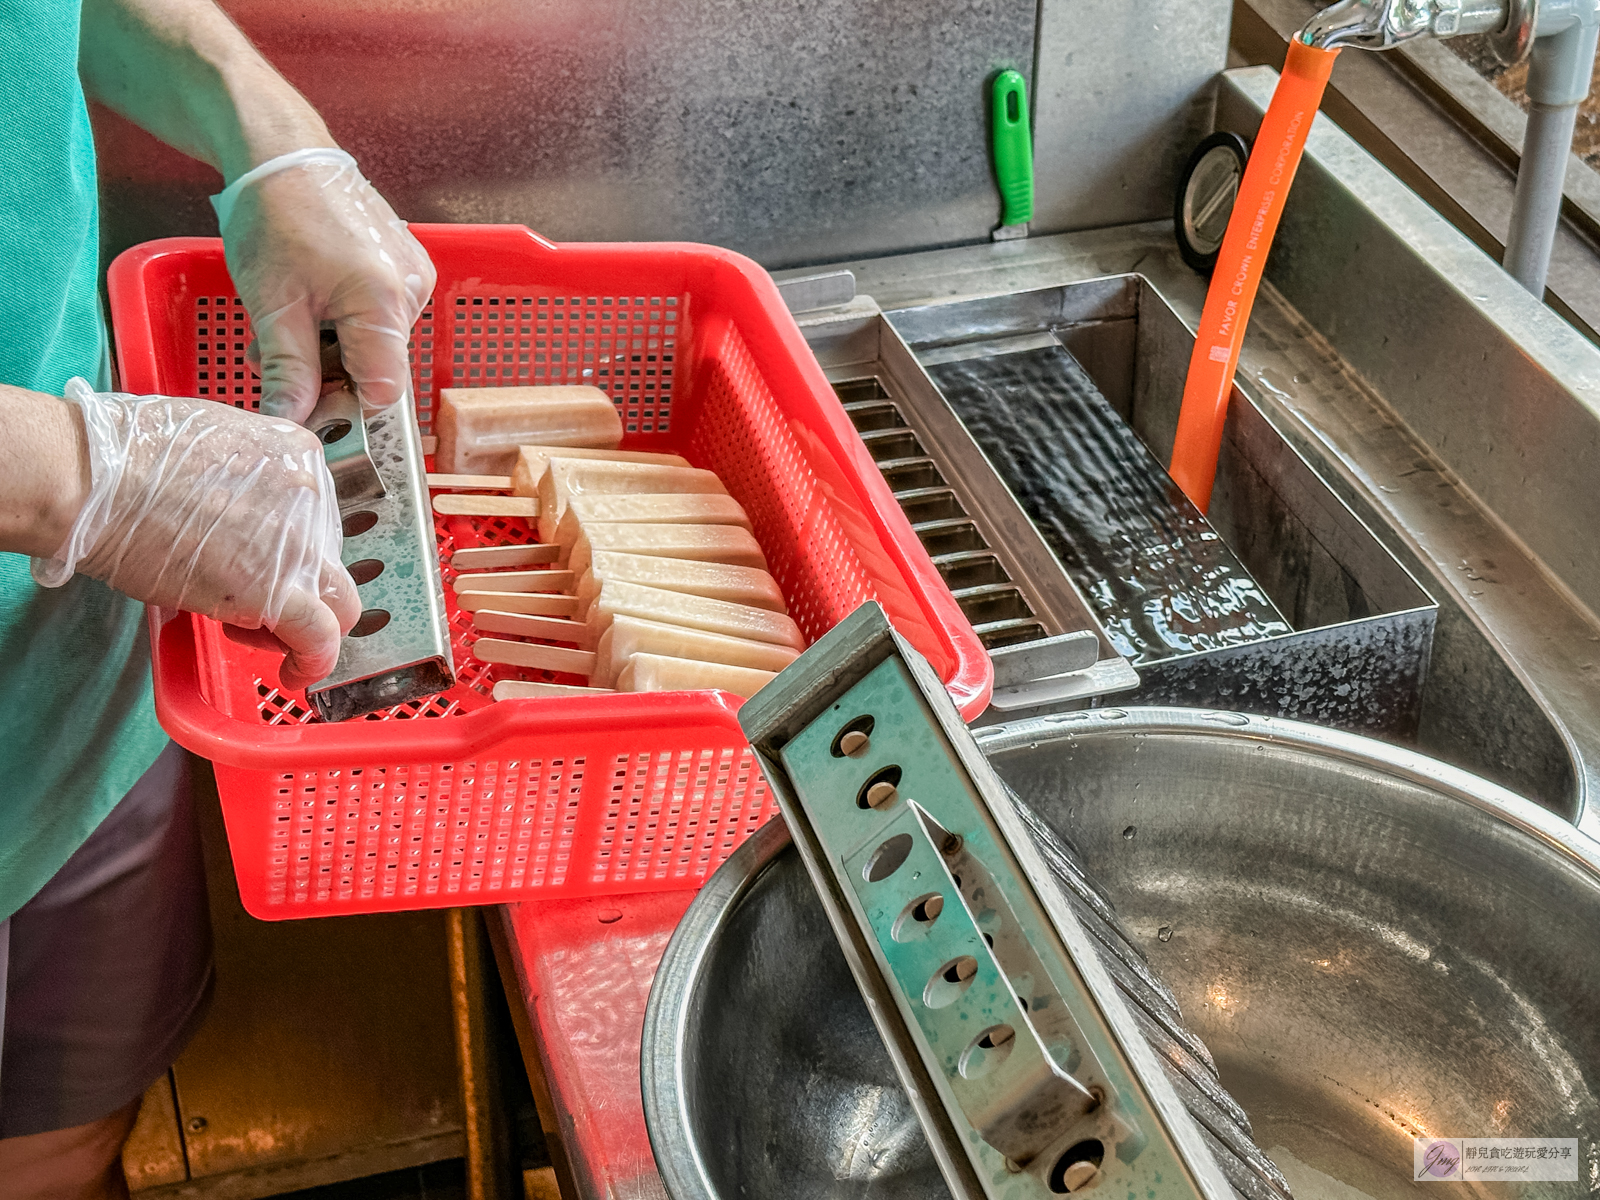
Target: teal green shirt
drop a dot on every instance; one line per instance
(76, 724)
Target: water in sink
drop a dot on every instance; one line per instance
(1160, 579)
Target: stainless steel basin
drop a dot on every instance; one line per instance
(1375, 946)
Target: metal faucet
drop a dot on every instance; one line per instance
(1385, 24)
(1559, 36)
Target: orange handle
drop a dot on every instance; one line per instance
(1237, 277)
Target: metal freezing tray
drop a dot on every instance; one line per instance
(1361, 625)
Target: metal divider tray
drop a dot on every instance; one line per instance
(1362, 626)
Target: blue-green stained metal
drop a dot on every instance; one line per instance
(1052, 1073)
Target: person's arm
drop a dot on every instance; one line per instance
(183, 71)
(305, 243)
(185, 504)
(44, 471)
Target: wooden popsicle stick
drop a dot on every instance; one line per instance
(521, 689)
(538, 604)
(523, 625)
(481, 558)
(517, 581)
(482, 483)
(534, 656)
(451, 504)
(430, 444)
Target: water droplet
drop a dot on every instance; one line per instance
(1237, 720)
(1112, 714)
(1165, 933)
(1129, 832)
(1068, 718)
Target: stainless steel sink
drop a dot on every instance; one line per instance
(1361, 628)
(1374, 946)
(1452, 413)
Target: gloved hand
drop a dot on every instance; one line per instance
(204, 507)
(307, 240)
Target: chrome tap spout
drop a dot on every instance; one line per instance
(1385, 24)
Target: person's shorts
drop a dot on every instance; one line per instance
(106, 972)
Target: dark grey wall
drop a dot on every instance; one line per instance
(1125, 88)
(796, 131)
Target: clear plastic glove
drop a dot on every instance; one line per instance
(308, 240)
(200, 506)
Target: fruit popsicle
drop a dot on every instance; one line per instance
(630, 635)
(479, 429)
(567, 477)
(716, 581)
(661, 673)
(617, 598)
(727, 544)
(534, 461)
(647, 509)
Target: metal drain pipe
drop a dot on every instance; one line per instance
(1559, 71)
(1558, 36)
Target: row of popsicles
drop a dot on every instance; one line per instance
(647, 573)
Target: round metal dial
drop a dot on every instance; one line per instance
(1206, 193)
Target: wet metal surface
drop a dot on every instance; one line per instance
(1475, 446)
(1364, 675)
(1531, 446)
(1000, 613)
(1355, 650)
(997, 566)
(337, 422)
(1160, 579)
(400, 649)
(1373, 946)
(794, 132)
(847, 1128)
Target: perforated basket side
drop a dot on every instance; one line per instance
(742, 435)
(387, 838)
(529, 333)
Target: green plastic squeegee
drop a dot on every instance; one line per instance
(1013, 152)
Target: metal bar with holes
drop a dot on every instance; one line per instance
(400, 648)
(1029, 1074)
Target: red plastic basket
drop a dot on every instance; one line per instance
(462, 800)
